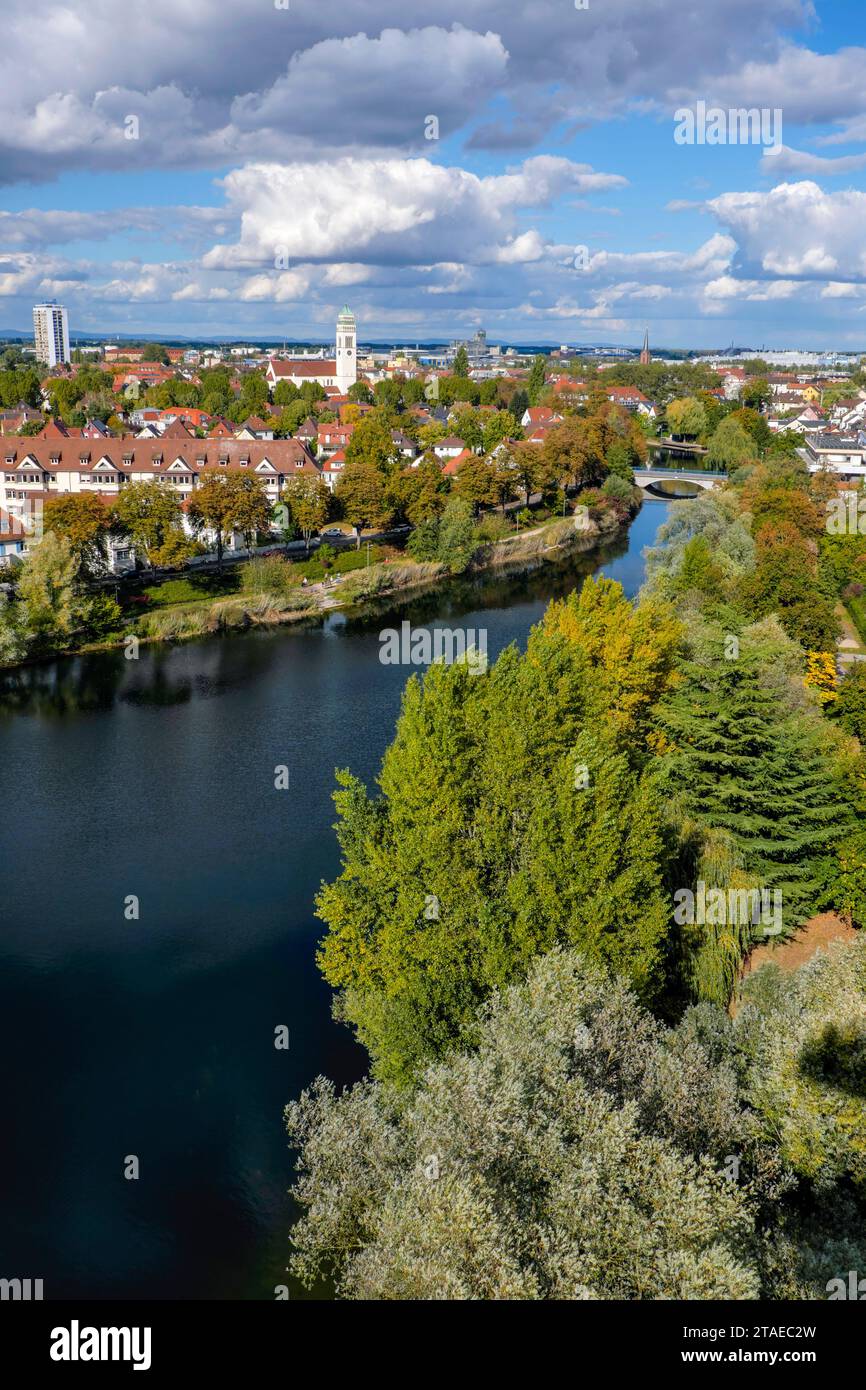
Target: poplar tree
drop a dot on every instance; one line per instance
(514, 814)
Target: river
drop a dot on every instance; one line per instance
(152, 1038)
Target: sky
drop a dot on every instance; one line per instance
(246, 168)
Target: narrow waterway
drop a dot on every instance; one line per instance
(153, 1037)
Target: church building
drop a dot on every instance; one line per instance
(340, 371)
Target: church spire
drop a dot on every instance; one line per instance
(645, 350)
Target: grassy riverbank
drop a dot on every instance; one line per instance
(270, 590)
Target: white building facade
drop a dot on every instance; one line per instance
(51, 333)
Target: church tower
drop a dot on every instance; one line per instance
(645, 352)
(347, 349)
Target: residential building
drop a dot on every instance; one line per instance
(35, 469)
(51, 333)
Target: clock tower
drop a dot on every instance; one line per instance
(347, 349)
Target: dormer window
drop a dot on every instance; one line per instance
(127, 458)
(55, 458)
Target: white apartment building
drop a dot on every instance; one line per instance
(51, 333)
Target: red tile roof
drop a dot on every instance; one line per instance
(66, 455)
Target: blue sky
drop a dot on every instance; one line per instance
(279, 165)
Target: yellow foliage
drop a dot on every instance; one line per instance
(821, 676)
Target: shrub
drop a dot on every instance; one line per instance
(268, 574)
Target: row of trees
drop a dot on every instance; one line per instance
(151, 517)
(375, 487)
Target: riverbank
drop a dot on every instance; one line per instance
(297, 603)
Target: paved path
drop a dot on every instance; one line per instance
(850, 644)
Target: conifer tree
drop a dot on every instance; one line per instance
(744, 766)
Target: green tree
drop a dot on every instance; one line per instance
(496, 426)
(850, 705)
(477, 798)
(460, 365)
(363, 494)
(420, 493)
(253, 398)
(371, 443)
(286, 393)
(308, 500)
(457, 541)
(250, 511)
(147, 514)
(535, 384)
(743, 766)
(686, 417)
(51, 610)
(534, 1167)
(155, 352)
(756, 394)
(476, 483)
(802, 1037)
(211, 507)
(730, 446)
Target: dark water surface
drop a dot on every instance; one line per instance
(155, 1037)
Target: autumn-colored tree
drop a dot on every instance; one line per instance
(84, 520)
(147, 514)
(821, 676)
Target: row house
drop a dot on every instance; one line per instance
(405, 446)
(808, 418)
(33, 469)
(254, 428)
(733, 381)
(11, 421)
(849, 414)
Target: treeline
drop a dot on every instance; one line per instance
(595, 450)
(548, 1031)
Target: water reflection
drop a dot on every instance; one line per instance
(166, 675)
